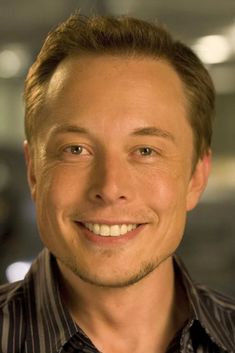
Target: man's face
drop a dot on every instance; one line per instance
(113, 156)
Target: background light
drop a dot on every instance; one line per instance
(17, 270)
(9, 63)
(212, 49)
(14, 60)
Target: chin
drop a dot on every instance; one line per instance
(112, 279)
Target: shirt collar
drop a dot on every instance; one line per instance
(213, 310)
(55, 324)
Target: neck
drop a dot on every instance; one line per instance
(119, 313)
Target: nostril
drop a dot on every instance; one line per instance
(109, 190)
(106, 197)
(98, 196)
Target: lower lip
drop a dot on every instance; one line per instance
(109, 240)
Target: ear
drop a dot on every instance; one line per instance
(28, 153)
(198, 180)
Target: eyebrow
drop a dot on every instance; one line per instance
(153, 131)
(63, 128)
(144, 131)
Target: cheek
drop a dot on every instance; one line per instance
(58, 189)
(58, 193)
(164, 190)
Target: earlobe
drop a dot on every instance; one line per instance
(198, 180)
(28, 153)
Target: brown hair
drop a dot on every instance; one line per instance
(122, 36)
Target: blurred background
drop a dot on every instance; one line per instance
(208, 27)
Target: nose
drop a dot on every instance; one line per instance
(110, 182)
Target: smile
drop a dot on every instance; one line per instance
(106, 230)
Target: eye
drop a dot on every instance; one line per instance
(146, 151)
(76, 150)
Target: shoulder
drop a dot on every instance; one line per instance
(213, 310)
(10, 292)
(203, 298)
(214, 299)
(12, 317)
(216, 312)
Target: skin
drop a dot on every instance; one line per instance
(129, 115)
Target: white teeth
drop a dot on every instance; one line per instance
(106, 230)
(95, 228)
(114, 230)
(129, 227)
(123, 229)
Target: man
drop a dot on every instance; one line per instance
(118, 125)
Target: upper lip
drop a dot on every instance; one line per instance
(108, 222)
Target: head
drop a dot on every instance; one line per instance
(118, 124)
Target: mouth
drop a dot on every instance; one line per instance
(106, 230)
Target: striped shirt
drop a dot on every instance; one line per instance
(33, 318)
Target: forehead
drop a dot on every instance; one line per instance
(95, 89)
(100, 68)
(136, 78)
